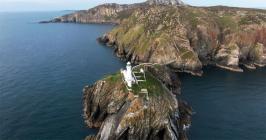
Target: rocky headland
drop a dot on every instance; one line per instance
(187, 38)
(110, 13)
(132, 115)
(179, 38)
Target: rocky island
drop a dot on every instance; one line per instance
(132, 114)
(178, 38)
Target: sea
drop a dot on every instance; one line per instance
(227, 105)
(44, 67)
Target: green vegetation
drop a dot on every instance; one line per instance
(187, 54)
(124, 14)
(143, 44)
(252, 19)
(163, 39)
(190, 16)
(154, 87)
(233, 46)
(158, 28)
(193, 19)
(113, 78)
(256, 51)
(245, 20)
(227, 22)
(108, 17)
(132, 35)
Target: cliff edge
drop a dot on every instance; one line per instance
(183, 37)
(186, 38)
(131, 115)
(111, 13)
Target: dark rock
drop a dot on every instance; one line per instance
(121, 114)
(186, 38)
(165, 2)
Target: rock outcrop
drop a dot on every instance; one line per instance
(180, 37)
(183, 37)
(165, 2)
(106, 13)
(123, 114)
(109, 13)
(186, 38)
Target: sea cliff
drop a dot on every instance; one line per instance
(184, 37)
(187, 38)
(110, 13)
(178, 38)
(123, 114)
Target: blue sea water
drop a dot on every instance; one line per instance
(228, 105)
(43, 68)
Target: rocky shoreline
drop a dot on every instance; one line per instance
(188, 48)
(178, 37)
(184, 37)
(122, 114)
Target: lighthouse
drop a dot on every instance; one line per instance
(129, 71)
(128, 76)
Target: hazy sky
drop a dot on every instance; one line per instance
(51, 5)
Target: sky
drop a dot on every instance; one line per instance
(57, 5)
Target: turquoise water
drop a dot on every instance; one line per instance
(43, 68)
(228, 105)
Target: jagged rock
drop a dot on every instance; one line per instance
(109, 13)
(258, 55)
(228, 57)
(121, 114)
(106, 13)
(183, 37)
(186, 38)
(165, 2)
(168, 78)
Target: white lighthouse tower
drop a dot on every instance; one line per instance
(129, 70)
(128, 76)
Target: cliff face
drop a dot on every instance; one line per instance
(109, 13)
(165, 2)
(183, 37)
(106, 13)
(121, 114)
(186, 38)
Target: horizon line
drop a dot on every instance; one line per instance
(62, 10)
